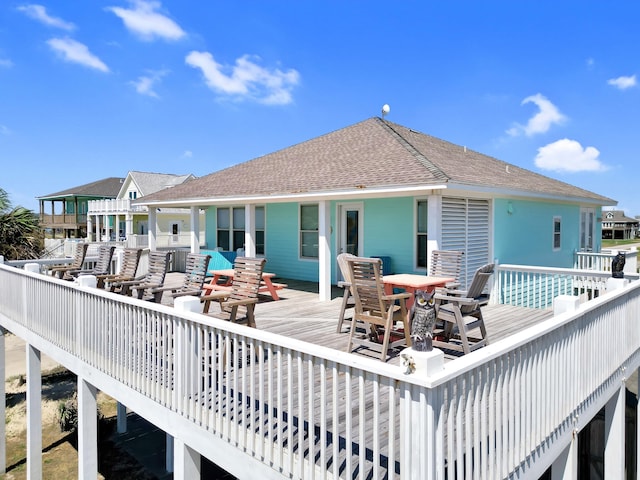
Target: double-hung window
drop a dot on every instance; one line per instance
(231, 228)
(309, 236)
(557, 231)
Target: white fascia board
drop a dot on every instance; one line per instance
(378, 192)
(300, 197)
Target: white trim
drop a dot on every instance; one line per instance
(557, 218)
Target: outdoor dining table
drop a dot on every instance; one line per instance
(412, 282)
(227, 274)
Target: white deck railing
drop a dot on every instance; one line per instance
(602, 260)
(536, 287)
(116, 206)
(506, 410)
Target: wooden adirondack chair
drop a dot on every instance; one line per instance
(446, 263)
(195, 274)
(347, 297)
(128, 269)
(237, 302)
(460, 311)
(101, 267)
(377, 310)
(76, 264)
(154, 278)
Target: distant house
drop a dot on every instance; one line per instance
(377, 188)
(617, 226)
(118, 219)
(64, 214)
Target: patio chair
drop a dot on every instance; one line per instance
(377, 310)
(128, 269)
(347, 297)
(76, 264)
(446, 263)
(195, 274)
(237, 302)
(460, 311)
(154, 278)
(101, 267)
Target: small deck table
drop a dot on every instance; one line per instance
(412, 282)
(267, 285)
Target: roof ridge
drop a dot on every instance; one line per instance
(434, 170)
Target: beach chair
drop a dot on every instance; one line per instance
(460, 312)
(195, 273)
(153, 279)
(128, 269)
(237, 302)
(375, 310)
(76, 264)
(101, 267)
(446, 263)
(347, 297)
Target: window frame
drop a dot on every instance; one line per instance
(556, 239)
(307, 232)
(418, 234)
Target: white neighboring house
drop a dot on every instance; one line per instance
(118, 220)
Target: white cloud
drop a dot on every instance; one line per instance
(145, 84)
(541, 121)
(4, 130)
(246, 79)
(76, 52)
(569, 156)
(187, 154)
(144, 21)
(623, 83)
(6, 63)
(39, 13)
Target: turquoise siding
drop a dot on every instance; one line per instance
(525, 236)
(389, 231)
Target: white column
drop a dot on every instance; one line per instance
(186, 461)
(434, 225)
(324, 250)
(195, 229)
(116, 227)
(107, 226)
(3, 440)
(89, 228)
(128, 226)
(98, 239)
(153, 224)
(565, 466)
(87, 430)
(250, 230)
(614, 413)
(169, 453)
(34, 413)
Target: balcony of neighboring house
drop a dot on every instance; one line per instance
(117, 206)
(285, 400)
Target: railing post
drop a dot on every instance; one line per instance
(87, 430)
(565, 466)
(34, 413)
(3, 406)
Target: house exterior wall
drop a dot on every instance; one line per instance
(522, 234)
(525, 236)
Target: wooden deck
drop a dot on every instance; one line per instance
(300, 315)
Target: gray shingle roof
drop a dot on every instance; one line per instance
(149, 182)
(106, 188)
(370, 154)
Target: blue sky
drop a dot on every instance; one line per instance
(92, 89)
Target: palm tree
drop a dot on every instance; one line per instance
(20, 233)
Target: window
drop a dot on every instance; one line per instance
(309, 231)
(421, 231)
(556, 233)
(231, 228)
(133, 195)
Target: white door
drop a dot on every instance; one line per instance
(587, 229)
